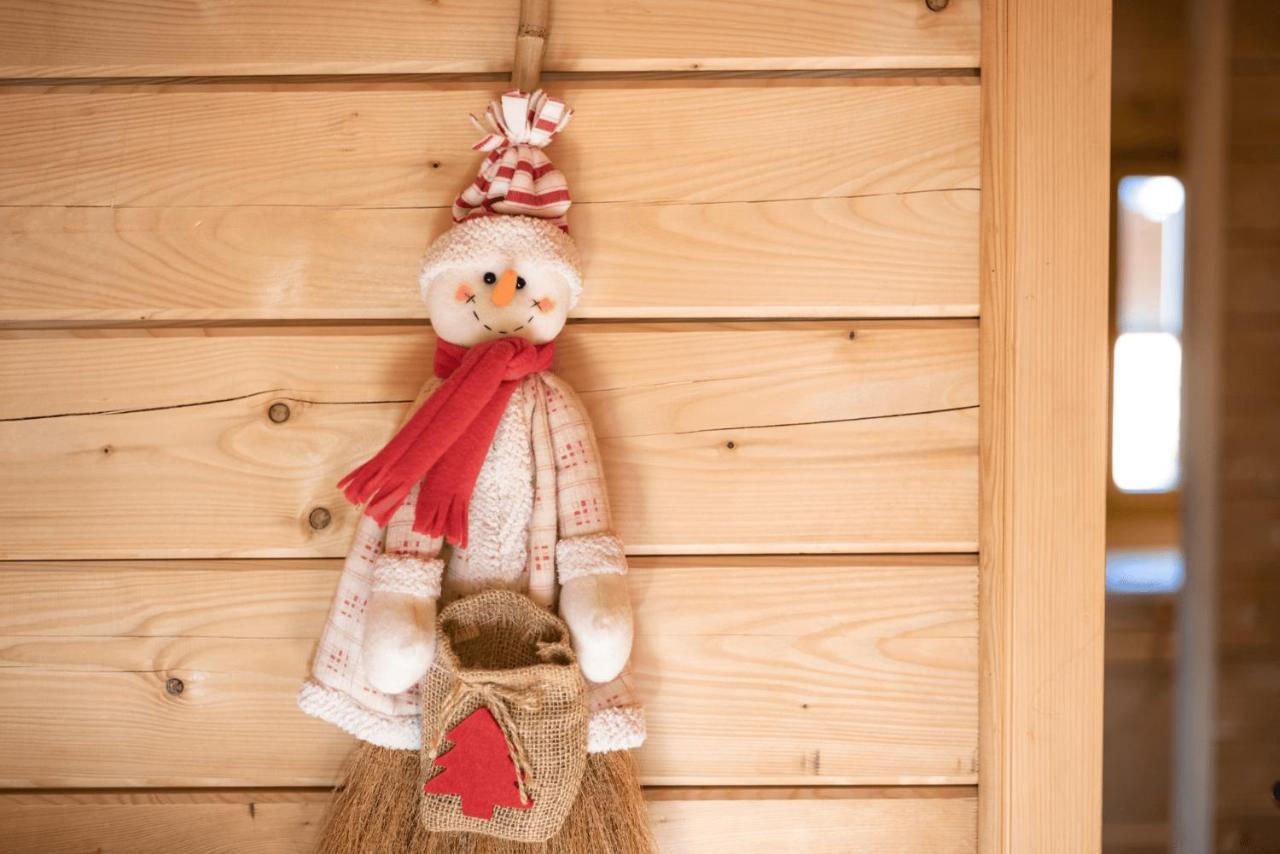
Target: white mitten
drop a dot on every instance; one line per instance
(400, 624)
(598, 611)
(399, 641)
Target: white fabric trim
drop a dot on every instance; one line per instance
(409, 575)
(524, 237)
(591, 554)
(398, 733)
(609, 729)
(618, 728)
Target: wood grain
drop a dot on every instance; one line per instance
(831, 670)
(709, 821)
(79, 38)
(1242, 635)
(1044, 358)
(879, 256)
(717, 437)
(1194, 801)
(398, 146)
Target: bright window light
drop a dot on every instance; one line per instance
(1144, 570)
(1146, 411)
(1157, 197)
(1147, 382)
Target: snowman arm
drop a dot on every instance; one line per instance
(590, 562)
(399, 632)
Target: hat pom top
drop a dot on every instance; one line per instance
(517, 177)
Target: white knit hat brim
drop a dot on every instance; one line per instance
(519, 236)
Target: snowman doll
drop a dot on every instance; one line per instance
(493, 482)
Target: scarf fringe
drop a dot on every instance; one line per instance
(443, 444)
(448, 521)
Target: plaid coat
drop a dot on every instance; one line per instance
(569, 535)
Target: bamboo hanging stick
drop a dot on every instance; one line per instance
(531, 40)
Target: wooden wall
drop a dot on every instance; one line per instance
(1249, 583)
(1149, 137)
(213, 209)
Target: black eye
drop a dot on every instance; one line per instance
(490, 278)
(519, 282)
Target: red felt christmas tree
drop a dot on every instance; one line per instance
(478, 768)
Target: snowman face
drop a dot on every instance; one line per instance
(498, 297)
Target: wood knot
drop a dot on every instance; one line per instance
(278, 412)
(936, 5)
(173, 686)
(853, 333)
(319, 518)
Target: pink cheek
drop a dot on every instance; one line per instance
(545, 304)
(464, 293)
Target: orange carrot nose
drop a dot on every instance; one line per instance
(505, 290)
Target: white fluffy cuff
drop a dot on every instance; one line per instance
(409, 575)
(399, 732)
(593, 554)
(620, 728)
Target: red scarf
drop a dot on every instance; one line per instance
(444, 444)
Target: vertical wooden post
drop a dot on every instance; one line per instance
(531, 40)
(1046, 70)
(1196, 678)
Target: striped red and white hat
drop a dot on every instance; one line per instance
(517, 177)
(518, 201)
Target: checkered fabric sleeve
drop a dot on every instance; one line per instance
(337, 690)
(586, 544)
(410, 562)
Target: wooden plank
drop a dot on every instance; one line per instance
(1044, 365)
(1138, 738)
(831, 670)
(1248, 753)
(1255, 36)
(879, 256)
(82, 39)
(1248, 204)
(760, 437)
(1241, 634)
(410, 146)
(1196, 728)
(1254, 108)
(720, 820)
(1149, 79)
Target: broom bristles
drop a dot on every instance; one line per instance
(376, 809)
(376, 812)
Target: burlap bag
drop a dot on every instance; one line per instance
(500, 650)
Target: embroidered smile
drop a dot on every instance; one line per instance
(471, 300)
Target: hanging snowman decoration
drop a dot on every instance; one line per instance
(491, 492)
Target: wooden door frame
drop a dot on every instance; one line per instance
(1046, 72)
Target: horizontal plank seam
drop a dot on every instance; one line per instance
(927, 790)
(585, 204)
(913, 76)
(862, 560)
(356, 323)
(202, 563)
(198, 636)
